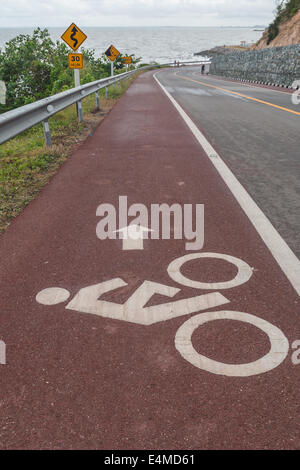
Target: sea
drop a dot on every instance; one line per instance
(151, 44)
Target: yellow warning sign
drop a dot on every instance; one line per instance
(74, 37)
(127, 60)
(75, 61)
(112, 53)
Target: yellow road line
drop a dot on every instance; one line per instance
(239, 94)
(251, 85)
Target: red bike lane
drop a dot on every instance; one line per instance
(84, 372)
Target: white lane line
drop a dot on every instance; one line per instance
(287, 260)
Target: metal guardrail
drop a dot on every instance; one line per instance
(13, 123)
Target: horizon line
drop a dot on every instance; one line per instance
(140, 26)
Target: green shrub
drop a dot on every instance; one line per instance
(34, 67)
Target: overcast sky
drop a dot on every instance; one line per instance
(20, 13)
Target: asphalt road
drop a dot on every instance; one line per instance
(157, 348)
(259, 142)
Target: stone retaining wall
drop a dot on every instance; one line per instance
(274, 66)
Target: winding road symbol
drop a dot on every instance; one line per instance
(74, 31)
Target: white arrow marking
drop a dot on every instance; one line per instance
(134, 310)
(2, 353)
(133, 237)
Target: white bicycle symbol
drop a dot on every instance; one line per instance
(134, 310)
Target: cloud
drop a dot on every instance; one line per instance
(135, 12)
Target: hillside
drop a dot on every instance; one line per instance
(283, 31)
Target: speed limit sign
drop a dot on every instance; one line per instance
(75, 61)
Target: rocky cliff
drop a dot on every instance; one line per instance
(289, 33)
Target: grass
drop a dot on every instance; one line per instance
(26, 164)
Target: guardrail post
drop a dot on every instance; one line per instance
(79, 111)
(106, 92)
(97, 101)
(47, 134)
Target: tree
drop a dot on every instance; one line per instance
(25, 67)
(34, 67)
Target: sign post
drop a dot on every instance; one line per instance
(74, 37)
(78, 104)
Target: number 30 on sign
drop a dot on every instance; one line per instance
(75, 61)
